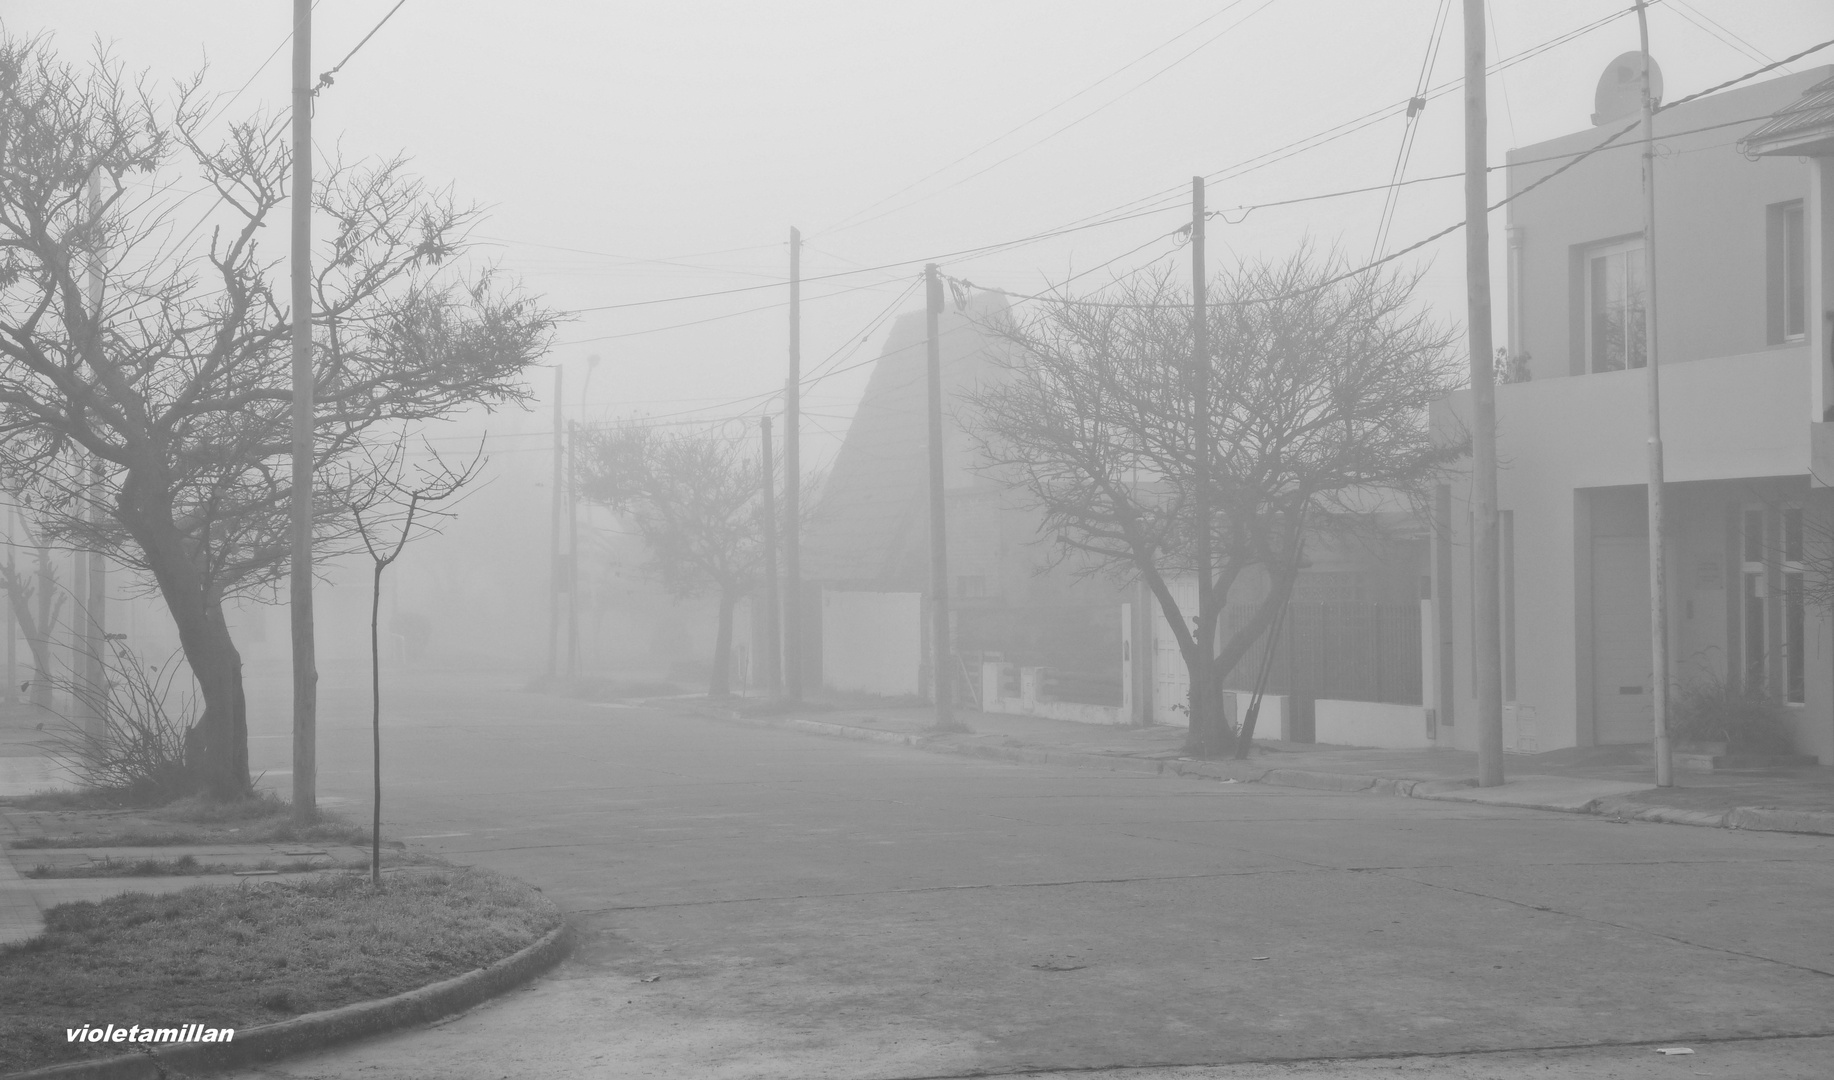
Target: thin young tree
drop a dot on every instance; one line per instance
(176, 388)
(36, 605)
(393, 501)
(1318, 389)
(692, 497)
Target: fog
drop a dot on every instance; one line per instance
(1120, 631)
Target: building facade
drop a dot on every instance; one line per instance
(1744, 185)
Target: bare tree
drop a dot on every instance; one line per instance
(174, 387)
(35, 605)
(392, 502)
(1317, 414)
(692, 497)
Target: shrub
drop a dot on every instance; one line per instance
(1747, 720)
(136, 753)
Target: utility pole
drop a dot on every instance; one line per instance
(1485, 583)
(305, 652)
(1206, 720)
(96, 620)
(11, 626)
(12, 615)
(1658, 591)
(89, 584)
(940, 653)
(572, 549)
(792, 487)
(772, 660)
(555, 574)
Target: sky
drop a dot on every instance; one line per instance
(633, 155)
(637, 152)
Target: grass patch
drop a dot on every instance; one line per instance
(230, 956)
(259, 819)
(189, 866)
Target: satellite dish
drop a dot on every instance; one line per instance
(1620, 88)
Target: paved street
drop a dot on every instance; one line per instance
(764, 903)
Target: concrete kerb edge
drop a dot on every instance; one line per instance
(319, 1030)
(1764, 819)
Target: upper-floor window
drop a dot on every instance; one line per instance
(1788, 273)
(1614, 306)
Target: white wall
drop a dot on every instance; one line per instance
(872, 642)
(1368, 723)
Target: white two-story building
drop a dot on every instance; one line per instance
(1745, 298)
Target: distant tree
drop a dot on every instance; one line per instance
(693, 497)
(1318, 389)
(166, 405)
(35, 605)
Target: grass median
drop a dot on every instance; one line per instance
(241, 956)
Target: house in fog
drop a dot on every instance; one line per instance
(1033, 634)
(1744, 184)
(866, 551)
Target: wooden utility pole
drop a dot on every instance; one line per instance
(1485, 582)
(96, 614)
(940, 652)
(555, 573)
(305, 652)
(1658, 590)
(12, 615)
(91, 585)
(572, 549)
(792, 487)
(772, 660)
(1206, 720)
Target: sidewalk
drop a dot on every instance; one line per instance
(1615, 782)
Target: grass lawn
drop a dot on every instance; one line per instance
(240, 956)
(92, 820)
(191, 866)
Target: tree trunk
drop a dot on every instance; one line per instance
(216, 747)
(1209, 736)
(1264, 621)
(719, 685)
(19, 601)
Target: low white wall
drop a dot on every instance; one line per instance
(1031, 702)
(1269, 721)
(1369, 723)
(872, 642)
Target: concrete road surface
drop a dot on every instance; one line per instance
(763, 903)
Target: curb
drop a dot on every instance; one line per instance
(1752, 818)
(319, 1030)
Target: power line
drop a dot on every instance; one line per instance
(718, 318)
(1415, 106)
(1574, 160)
(326, 78)
(1167, 198)
(1725, 36)
(1121, 213)
(1059, 131)
(779, 279)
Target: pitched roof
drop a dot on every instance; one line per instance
(871, 524)
(1804, 126)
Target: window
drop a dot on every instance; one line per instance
(1788, 273)
(1771, 602)
(1614, 307)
